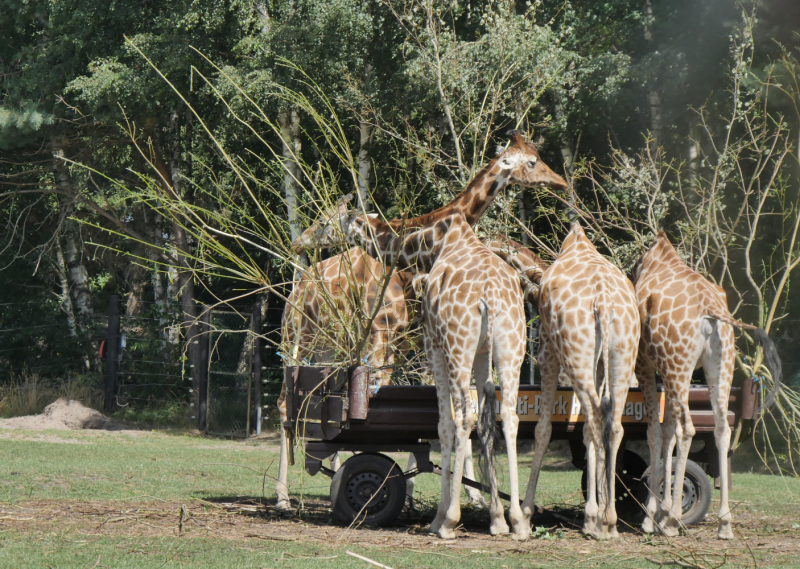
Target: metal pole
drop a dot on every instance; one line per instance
(112, 353)
(257, 399)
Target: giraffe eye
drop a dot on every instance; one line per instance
(532, 163)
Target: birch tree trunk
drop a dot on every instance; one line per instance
(72, 255)
(79, 280)
(66, 300)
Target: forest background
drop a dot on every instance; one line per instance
(118, 118)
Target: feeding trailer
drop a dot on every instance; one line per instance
(341, 409)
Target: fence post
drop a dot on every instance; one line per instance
(257, 402)
(112, 352)
(202, 367)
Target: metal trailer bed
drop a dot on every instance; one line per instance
(340, 409)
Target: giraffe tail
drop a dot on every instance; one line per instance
(771, 358)
(489, 438)
(488, 433)
(603, 315)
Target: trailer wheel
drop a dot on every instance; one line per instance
(629, 475)
(696, 492)
(368, 487)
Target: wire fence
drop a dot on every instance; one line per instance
(153, 370)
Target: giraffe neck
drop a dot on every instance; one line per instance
(518, 256)
(417, 249)
(470, 203)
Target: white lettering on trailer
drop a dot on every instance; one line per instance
(576, 406)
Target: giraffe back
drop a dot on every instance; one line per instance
(579, 285)
(672, 300)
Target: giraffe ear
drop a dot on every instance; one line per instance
(344, 200)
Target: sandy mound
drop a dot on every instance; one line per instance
(63, 414)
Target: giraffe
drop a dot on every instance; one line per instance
(349, 280)
(685, 325)
(472, 317)
(588, 312)
(471, 203)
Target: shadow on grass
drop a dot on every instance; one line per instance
(316, 510)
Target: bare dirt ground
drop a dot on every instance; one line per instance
(760, 541)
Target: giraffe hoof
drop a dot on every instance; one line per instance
(670, 531)
(647, 525)
(445, 533)
(498, 527)
(436, 524)
(284, 506)
(725, 532)
(521, 535)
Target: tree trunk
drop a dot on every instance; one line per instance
(72, 255)
(66, 301)
(263, 16)
(364, 162)
(290, 135)
(654, 98)
(79, 279)
(569, 160)
(171, 180)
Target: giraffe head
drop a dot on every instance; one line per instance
(331, 224)
(527, 168)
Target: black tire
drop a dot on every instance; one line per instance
(629, 476)
(696, 492)
(368, 487)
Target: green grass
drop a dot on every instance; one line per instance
(70, 465)
(135, 467)
(156, 553)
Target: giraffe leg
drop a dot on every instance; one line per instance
(619, 390)
(498, 524)
(667, 449)
(446, 433)
(508, 375)
(718, 367)
(684, 431)
(590, 509)
(281, 489)
(473, 494)
(412, 464)
(645, 374)
(548, 366)
(595, 458)
(464, 420)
